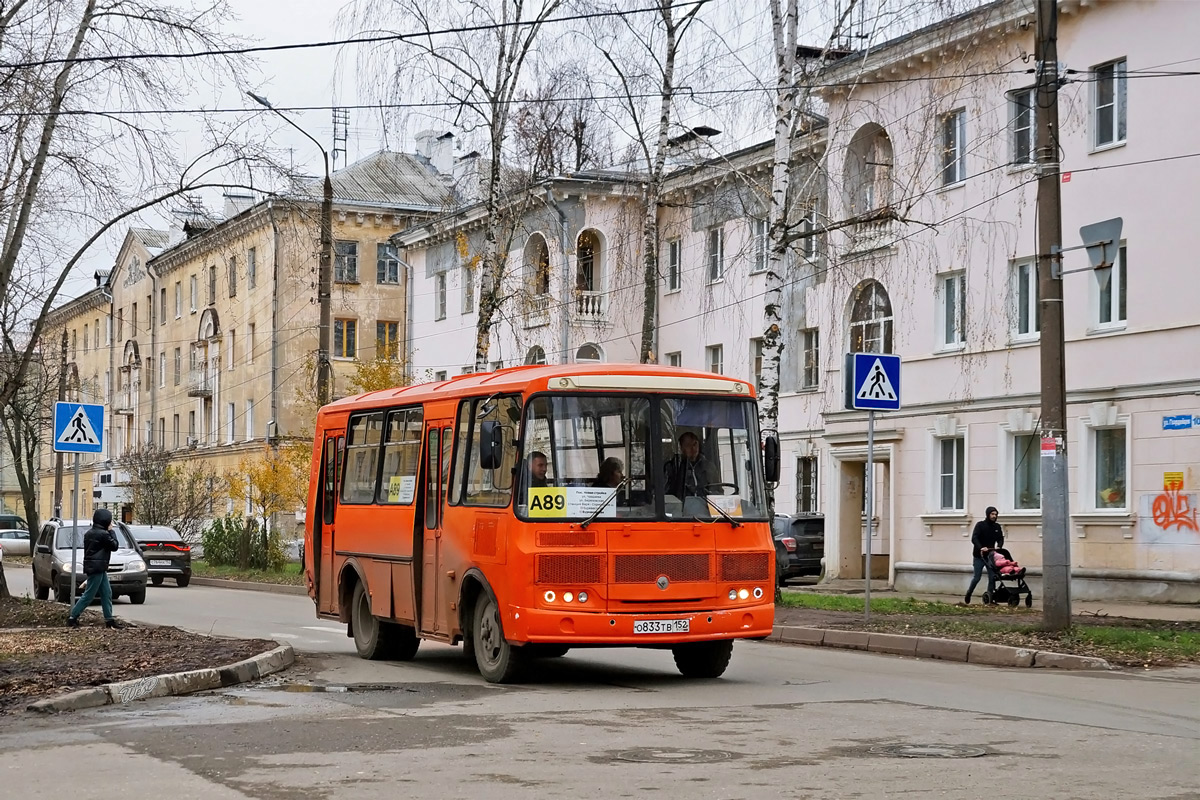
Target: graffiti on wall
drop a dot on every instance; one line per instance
(1173, 509)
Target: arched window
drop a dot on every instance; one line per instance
(587, 250)
(868, 170)
(537, 264)
(536, 355)
(870, 319)
(589, 353)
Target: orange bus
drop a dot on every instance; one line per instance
(531, 510)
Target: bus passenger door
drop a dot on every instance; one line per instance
(439, 439)
(331, 470)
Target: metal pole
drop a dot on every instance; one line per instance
(58, 457)
(75, 534)
(870, 506)
(1056, 540)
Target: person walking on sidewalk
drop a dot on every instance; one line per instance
(98, 545)
(987, 536)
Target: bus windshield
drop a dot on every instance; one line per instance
(630, 456)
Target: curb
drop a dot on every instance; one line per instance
(171, 684)
(251, 586)
(996, 655)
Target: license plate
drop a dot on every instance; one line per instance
(661, 626)
(159, 562)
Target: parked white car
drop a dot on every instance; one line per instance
(14, 541)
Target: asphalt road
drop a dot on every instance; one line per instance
(783, 722)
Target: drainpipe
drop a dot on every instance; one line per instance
(154, 355)
(565, 336)
(273, 423)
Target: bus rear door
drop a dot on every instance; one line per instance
(435, 598)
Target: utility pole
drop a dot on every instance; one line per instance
(58, 457)
(1056, 539)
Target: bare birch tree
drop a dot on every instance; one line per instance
(477, 70)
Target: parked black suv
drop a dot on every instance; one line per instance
(799, 546)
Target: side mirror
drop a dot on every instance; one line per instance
(491, 444)
(43, 548)
(771, 458)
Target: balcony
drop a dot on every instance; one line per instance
(589, 306)
(879, 234)
(126, 401)
(537, 310)
(200, 384)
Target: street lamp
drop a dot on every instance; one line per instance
(325, 267)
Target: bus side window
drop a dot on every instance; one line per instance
(432, 480)
(330, 482)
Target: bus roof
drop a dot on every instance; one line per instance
(560, 377)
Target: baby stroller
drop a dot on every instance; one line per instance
(1013, 574)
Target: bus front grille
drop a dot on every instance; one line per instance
(746, 566)
(570, 569)
(678, 567)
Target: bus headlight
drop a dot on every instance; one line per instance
(583, 597)
(733, 594)
(549, 595)
(743, 594)
(568, 597)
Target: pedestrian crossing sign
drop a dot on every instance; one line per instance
(78, 428)
(873, 381)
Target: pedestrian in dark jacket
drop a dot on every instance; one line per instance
(987, 536)
(98, 545)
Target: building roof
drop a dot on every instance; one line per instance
(394, 180)
(153, 240)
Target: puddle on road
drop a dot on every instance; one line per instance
(347, 688)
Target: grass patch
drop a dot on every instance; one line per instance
(879, 605)
(291, 574)
(1182, 645)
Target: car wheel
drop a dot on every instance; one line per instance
(400, 642)
(498, 661)
(137, 598)
(40, 592)
(62, 593)
(703, 659)
(157, 580)
(183, 580)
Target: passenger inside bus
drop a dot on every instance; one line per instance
(689, 472)
(612, 474)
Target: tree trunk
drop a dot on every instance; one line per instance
(4, 593)
(244, 546)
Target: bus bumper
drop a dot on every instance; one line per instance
(578, 627)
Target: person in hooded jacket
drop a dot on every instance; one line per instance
(987, 536)
(99, 543)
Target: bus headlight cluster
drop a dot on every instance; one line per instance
(568, 597)
(744, 594)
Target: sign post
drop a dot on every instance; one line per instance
(78, 428)
(872, 384)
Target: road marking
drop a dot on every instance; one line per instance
(325, 629)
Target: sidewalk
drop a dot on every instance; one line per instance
(1130, 610)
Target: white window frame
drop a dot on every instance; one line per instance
(951, 311)
(1019, 424)
(810, 343)
(1090, 424)
(250, 336)
(178, 299)
(387, 261)
(162, 369)
(230, 423)
(675, 359)
(345, 261)
(674, 265)
(1119, 104)
(758, 235)
(1017, 159)
(251, 268)
(439, 296)
(714, 254)
(1031, 306)
(756, 362)
(816, 484)
(934, 470)
(468, 290)
(714, 359)
(954, 147)
(440, 375)
(1118, 273)
(249, 419)
(194, 285)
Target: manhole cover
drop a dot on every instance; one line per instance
(673, 755)
(929, 751)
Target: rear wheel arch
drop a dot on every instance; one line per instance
(350, 576)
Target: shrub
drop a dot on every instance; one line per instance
(237, 541)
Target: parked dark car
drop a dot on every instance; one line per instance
(799, 546)
(167, 554)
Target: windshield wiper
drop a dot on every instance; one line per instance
(722, 512)
(602, 506)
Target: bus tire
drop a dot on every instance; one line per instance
(497, 660)
(547, 650)
(703, 659)
(400, 641)
(369, 638)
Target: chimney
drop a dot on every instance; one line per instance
(437, 147)
(236, 203)
(468, 182)
(691, 147)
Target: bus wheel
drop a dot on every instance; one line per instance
(703, 659)
(498, 661)
(401, 642)
(368, 638)
(547, 650)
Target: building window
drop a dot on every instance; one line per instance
(468, 290)
(871, 319)
(345, 262)
(194, 284)
(1110, 288)
(232, 349)
(812, 359)
(230, 422)
(867, 172)
(440, 375)
(178, 365)
(714, 357)
(1027, 472)
(178, 299)
(162, 306)
(96, 332)
(806, 485)
(162, 369)
(674, 279)
(586, 248)
(175, 424)
(233, 276)
(85, 337)
(251, 268)
(440, 296)
(1026, 318)
(589, 354)
(250, 343)
(120, 324)
(162, 433)
(756, 362)
(537, 265)
(1022, 118)
(1108, 113)
(212, 284)
(387, 340)
(758, 233)
(952, 311)
(345, 338)
(191, 427)
(953, 473)
(387, 264)
(535, 355)
(1110, 478)
(809, 227)
(675, 359)
(954, 147)
(133, 320)
(249, 419)
(716, 254)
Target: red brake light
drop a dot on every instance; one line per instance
(789, 544)
(183, 548)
